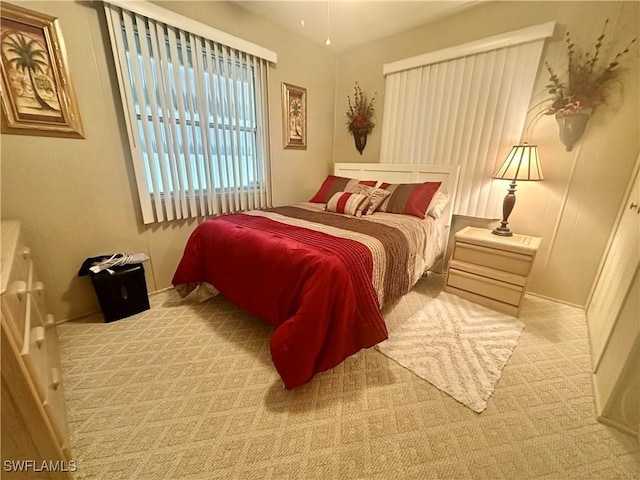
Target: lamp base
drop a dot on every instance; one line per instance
(502, 231)
(507, 207)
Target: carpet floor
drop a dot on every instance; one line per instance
(187, 390)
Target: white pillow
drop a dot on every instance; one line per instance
(438, 204)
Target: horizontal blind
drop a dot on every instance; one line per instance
(196, 115)
(467, 111)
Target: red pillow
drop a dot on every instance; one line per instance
(333, 184)
(409, 198)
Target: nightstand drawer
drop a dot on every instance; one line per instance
(493, 258)
(485, 301)
(498, 275)
(487, 287)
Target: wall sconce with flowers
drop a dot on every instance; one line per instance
(575, 100)
(360, 116)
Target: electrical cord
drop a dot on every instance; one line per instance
(117, 260)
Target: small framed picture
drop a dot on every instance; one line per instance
(294, 117)
(37, 95)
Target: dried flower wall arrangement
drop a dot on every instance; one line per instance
(587, 80)
(360, 116)
(584, 87)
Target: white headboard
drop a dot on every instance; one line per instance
(409, 173)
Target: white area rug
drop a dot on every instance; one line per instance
(458, 346)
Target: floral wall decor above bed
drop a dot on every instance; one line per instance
(587, 80)
(360, 116)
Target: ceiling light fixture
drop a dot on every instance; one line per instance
(327, 42)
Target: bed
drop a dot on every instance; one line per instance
(322, 277)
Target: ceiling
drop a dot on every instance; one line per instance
(350, 24)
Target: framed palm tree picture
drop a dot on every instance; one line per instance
(294, 117)
(37, 95)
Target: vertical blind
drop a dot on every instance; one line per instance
(468, 111)
(197, 118)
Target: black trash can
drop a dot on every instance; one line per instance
(121, 291)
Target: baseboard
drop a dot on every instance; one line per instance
(162, 290)
(79, 317)
(581, 307)
(618, 426)
(85, 315)
(605, 420)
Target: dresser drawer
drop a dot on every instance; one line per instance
(30, 360)
(34, 348)
(51, 337)
(37, 295)
(511, 262)
(18, 262)
(487, 287)
(54, 405)
(14, 307)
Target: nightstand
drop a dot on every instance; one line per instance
(491, 270)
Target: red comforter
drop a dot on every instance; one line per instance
(315, 288)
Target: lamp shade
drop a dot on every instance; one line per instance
(522, 163)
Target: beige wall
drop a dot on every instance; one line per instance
(574, 208)
(77, 198)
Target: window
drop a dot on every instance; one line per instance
(196, 117)
(466, 106)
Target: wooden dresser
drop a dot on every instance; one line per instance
(491, 270)
(34, 417)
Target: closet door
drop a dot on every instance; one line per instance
(612, 316)
(618, 270)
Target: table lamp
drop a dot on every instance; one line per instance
(523, 164)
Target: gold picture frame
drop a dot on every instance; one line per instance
(37, 95)
(294, 117)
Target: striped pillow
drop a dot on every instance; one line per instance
(376, 196)
(333, 184)
(348, 203)
(409, 198)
